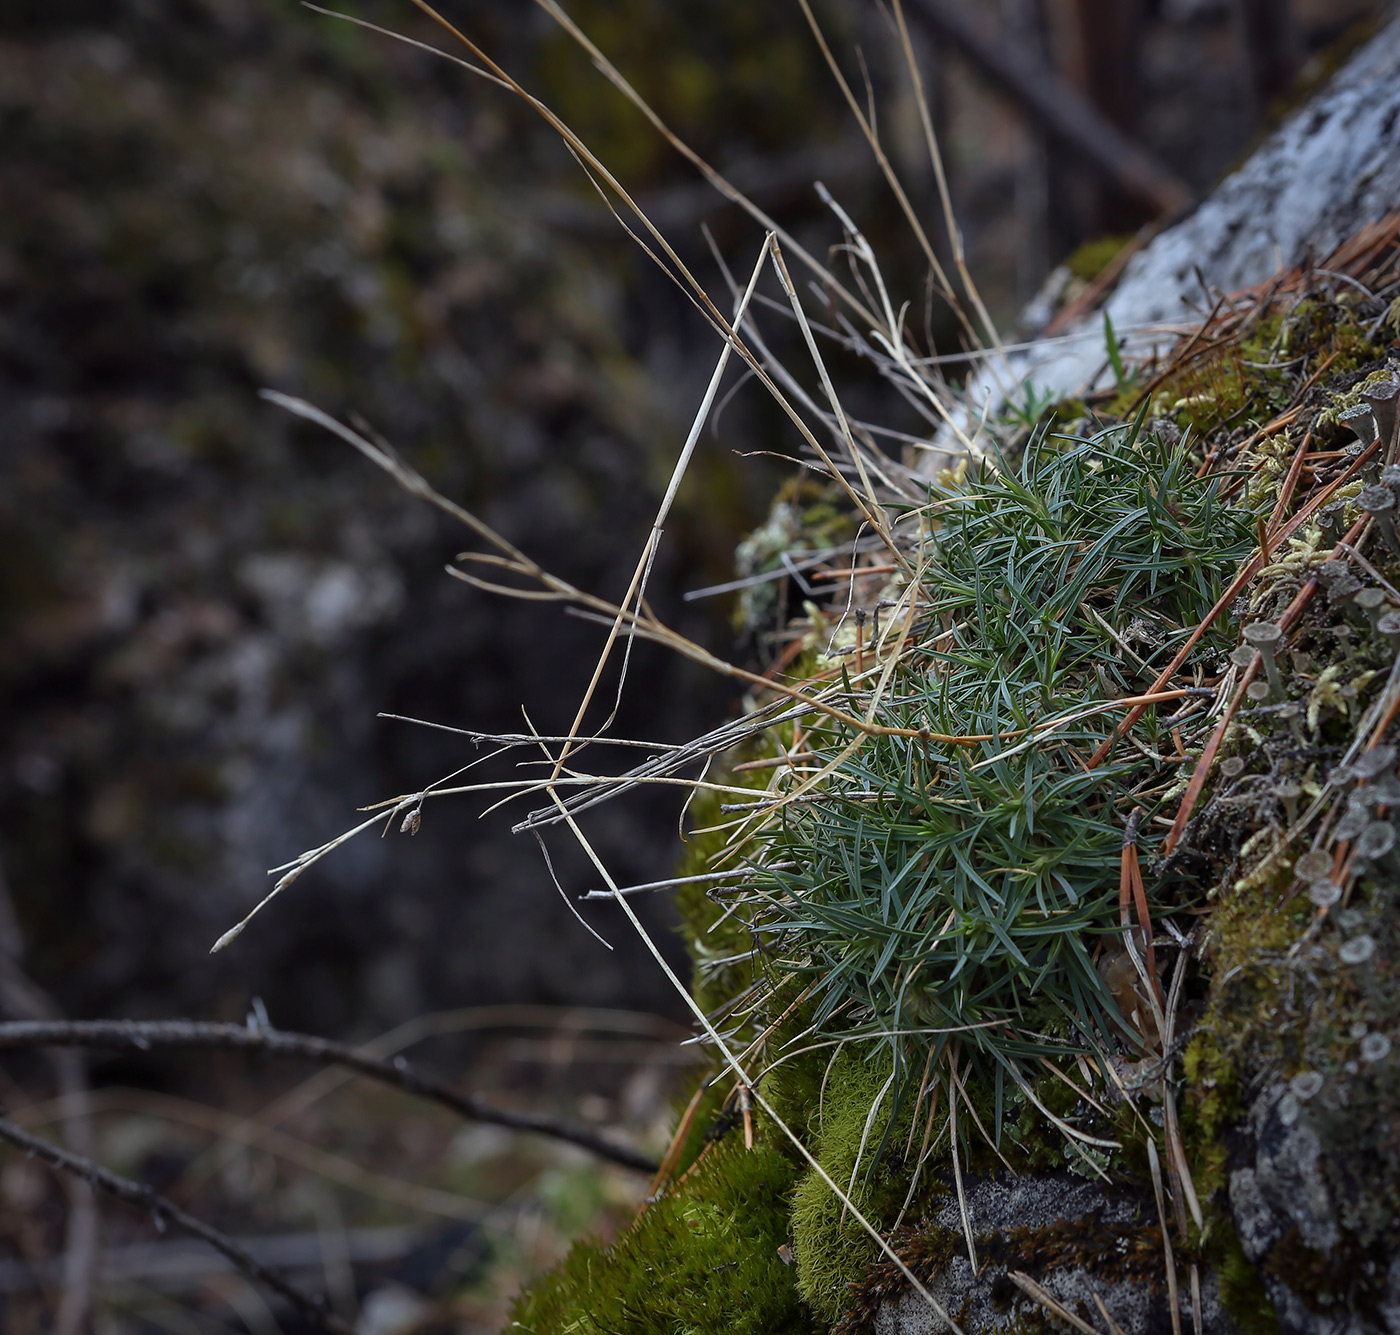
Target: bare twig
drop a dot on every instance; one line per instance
(184, 1264)
(139, 1035)
(164, 1212)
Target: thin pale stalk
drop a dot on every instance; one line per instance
(945, 195)
(732, 1062)
(730, 192)
(637, 587)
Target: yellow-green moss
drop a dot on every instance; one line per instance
(700, 1260)
(1242, 1291)
(833, 1251)
(1093, 257)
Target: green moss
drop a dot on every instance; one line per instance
(1242, 1289)
(1330, 328)
(1225, 384)
(1093, 257)
(700, 1260)
(856, 1114)
(1249, 379)
(805, 516)
(1211, 1106)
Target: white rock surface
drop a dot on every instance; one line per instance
(1332, 168)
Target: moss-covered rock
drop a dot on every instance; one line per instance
(1284, 1105)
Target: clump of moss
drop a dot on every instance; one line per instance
(856, 1113)
(702, 1260)
(1093, 257)
(1242, 1290)
(805, 517)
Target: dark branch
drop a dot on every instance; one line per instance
(1059, 107)
(167, 1212)
(22, 998)
(142, 1036)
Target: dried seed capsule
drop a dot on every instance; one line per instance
(1376, 843)
(1330, 520)
(1288, 793)
(1313, 866)
(1381, 399)
(1375, 1047)
(1373, 602)
(1358, 950)
(1361, 420)
(1373, 763)
(1329, 572)
(1324, 893)
(1363, 796)
(1354, 819)
(1265, 637)
(1379, 503)
(1376, 840)
(1377, 500)
(1292, 714)
(1343, 590)
(1306, 1084)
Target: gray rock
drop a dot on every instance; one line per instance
(1282, 1202)
(1008, 1214)
(1288, 1167)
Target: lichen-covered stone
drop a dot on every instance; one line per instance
(1076, 1239)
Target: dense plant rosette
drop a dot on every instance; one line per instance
(931, 893)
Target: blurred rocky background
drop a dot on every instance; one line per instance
(204, 605)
